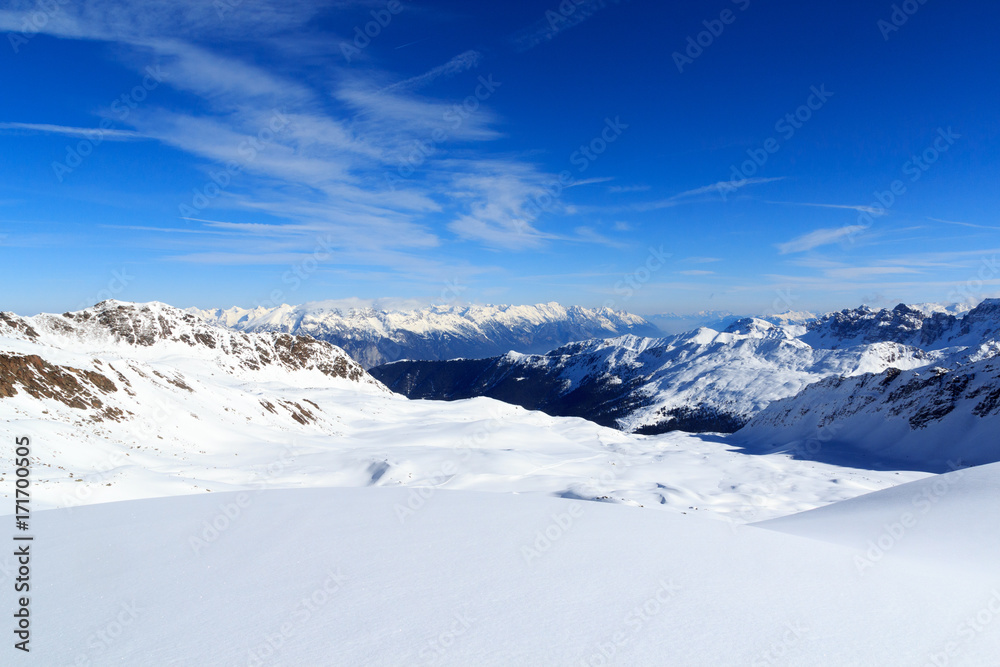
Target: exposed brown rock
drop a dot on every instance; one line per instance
(40, 379)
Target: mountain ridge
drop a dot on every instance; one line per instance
(706, 380)
(374, 336)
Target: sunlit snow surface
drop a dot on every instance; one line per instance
(199, 418)
(337, 577)
(362, 438)
(462, 533)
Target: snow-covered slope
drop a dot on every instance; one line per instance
(333, 577)
(373, 336)
(229, 546)
(706, 380)
(926, 418)
(129, 401)
(934, 521)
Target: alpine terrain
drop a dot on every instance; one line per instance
(374, 336)
(707, 380)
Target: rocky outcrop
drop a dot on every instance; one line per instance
(73, 387)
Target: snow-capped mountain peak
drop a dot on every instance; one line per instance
(373, 336)
(154, 331)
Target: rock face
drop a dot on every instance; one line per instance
(900, 416)
(373, 337)
(908, 326)
(117, 325)
(83, 360)
(71, 386)
(706, 380)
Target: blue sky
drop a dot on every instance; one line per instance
(653, 157)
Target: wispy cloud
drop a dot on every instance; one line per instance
(591, 181)
(503, 205)
(860, 272)
(618, 189)
(590, 235)
(85, 132)
(460, 63)
(818, 238)
(323, 175)
(555, 22)
(715, 188)
(696, 272)
(861, 209)
(965, 224)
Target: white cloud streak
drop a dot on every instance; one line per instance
(714, 188)
(818, 238)
(84, 132)
(861, 209)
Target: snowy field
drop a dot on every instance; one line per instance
(334, 576)
(378, 439)
(209, 497)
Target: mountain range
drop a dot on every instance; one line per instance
(373, 336)
(162, 399)
(125, 401)
(707, 380)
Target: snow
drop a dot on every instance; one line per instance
(220, 438)
(739, 371)
(374, 336)
(195, 420)
(956, 309)
(216, 522)
(924, 419)
(725, 378)
(934, 521)
(334, 576)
